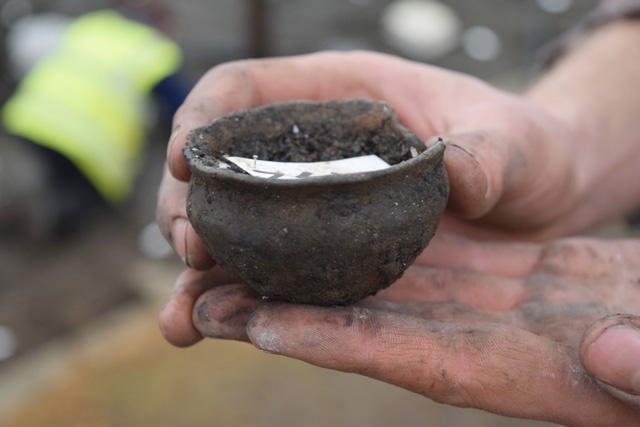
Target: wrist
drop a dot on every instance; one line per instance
(592, 92)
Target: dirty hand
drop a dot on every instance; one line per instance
(523, 330)
(504, 155)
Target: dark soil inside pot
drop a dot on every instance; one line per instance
(310, 132)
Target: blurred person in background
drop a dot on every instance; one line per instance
(484, 319)
(82, 103)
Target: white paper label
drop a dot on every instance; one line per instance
(293, 170)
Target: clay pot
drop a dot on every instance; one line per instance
(321, 240)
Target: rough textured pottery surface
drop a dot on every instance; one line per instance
(321, 240)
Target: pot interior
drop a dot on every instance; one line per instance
(303, 131)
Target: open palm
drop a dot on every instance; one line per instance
(469, 333)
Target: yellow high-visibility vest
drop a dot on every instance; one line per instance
(87, 100)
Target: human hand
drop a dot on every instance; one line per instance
(507, 168)
(499, 327)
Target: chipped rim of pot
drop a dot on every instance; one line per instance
(197, 166)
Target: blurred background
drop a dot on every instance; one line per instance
(81, 278)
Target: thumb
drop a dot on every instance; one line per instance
(511, 182)
(610, 353)
(475, 173)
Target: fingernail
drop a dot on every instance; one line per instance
(177, 239)
(472, 194)
(170, 149)
(474, 157)
(187, 257)
(173, 139)
(614, 358)
(262, 335)
(266, 341)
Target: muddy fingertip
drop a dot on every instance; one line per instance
(223, 312)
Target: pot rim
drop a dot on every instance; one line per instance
(198, 167)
